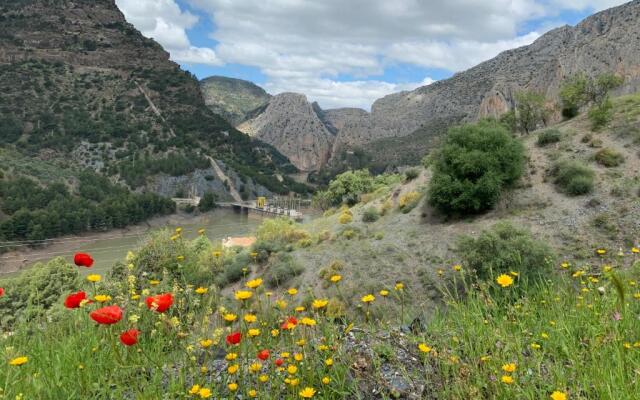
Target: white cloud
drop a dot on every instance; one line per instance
(307, 45)
(163, 21)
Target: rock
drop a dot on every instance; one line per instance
(233, 99)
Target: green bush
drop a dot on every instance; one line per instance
(371, 214)
(547, 137)
(281, 231)
(411, 174)
(609, 158)
(503, 249)
(601, 114)
(573, 177)
(473, 166)
(282, 269)
(349, 186)
(207, 202)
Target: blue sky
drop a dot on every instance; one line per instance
(345, 52)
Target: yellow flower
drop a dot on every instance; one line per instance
(263, 378)
(233, 386)
(174, 238)
(511, 367)
(180, 258)
(504, 280)
(323, 347)
(281, 304)
(232, 369)
(204, 393)
(231, 356)
(308, 321)
(253, 332)
(319, 303)
(292, 369)
(243, 295)
(229, 317)
(558, 395)
(202, 290)
(335, 278)
(635, 250)
(178, 230)
(201, 231)
(485, 358)
(424, 348)
(292, 291)
(328, 362)
(217, 254)
(399, 286)
(326, 380)
(252, 393)
(194, 389)
(301, 342)
(206, 343)
(16, 362)
(275, 332)
(507, 379)
(299, 309)
(440, 271)
(601, 252)
(154, 282)
(457, 267)
(102, 298)
(94, 278)
(535, 346)
(255, 367)
(250, 318)
(384, 293)
(307, 392)
(298, 357)
(252, 284)
(565, 265)
(368, 298)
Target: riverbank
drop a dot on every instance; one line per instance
(111, 246)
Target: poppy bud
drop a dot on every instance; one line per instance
(279, 362)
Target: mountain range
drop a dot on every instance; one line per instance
(401, 127)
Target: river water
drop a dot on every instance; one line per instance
(109, 247)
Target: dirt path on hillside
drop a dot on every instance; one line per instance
(232, 189)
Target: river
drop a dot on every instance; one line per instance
(109, 247)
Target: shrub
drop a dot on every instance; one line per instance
(503, 249)
(349, 186)
(281, 231)
(409, 201)
(386, 207)
(609, 158)
(547, 137)
(601, 114)
(282, 269)
(371, 214)
(345, 218)
(411, 174)
(207, 202)
(573, 177)
(474, 165)
(531, 110)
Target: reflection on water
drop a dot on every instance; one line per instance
(111, 247)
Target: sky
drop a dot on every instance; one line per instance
(345, 53)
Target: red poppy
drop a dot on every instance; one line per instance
(83, 260)
(130, 337)
(73, 300)
(234, 338)
(107, 315)
(263, 354)
(279, 362)
(160, 302)
(1, 292)
(289, 323)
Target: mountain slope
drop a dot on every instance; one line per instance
(77, 79)
(232, 99)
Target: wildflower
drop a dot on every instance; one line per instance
(232, 369)
(510, 367)
(292, 369)
(307, 392)
(18, 361)
(485, 358)
(134, 318)
(319, 303)
(263, 354)
(159, 303)
(507, 379)
(440, 272)
(335, 278)
(326, 380)
(279, 362)
(255, 367)
(281, 304)
(298, 357)
(601, 251)
(206, 343)
(565, 265)
(424, 348)
(178, 230)
(234, 338)
(275, 332)
(1, 292)
(252, 284)
(504, 280)
(635, 250)
(535, 346)
(301, 342)
(130, 337)
(384, 293)
(328, 362)
(94, 278)
(252, 393)
(399, 286)
(154, 282)
(217, 254)
(558, 395)
(308, 321)
(74, 300)
(289, 323)
(102, 298)
(250, 318)
(253, 332)
(83, 260)
(292, 291)
(202, 290)
(107, 315)
(243, 295)
(368, 298)
(299, 309)
(180, 258)
(204, 393)
(233, 386)
(263, 378)
(201, 231)
(229, 317)
(457, 267)
(231, 356)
